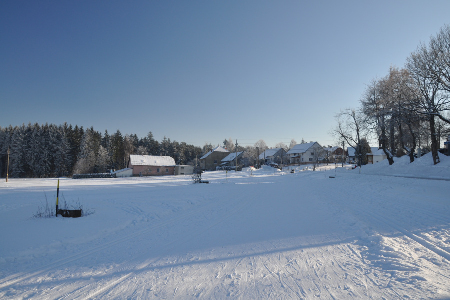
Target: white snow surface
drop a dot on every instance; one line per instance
(370, 233)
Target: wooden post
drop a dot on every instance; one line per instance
(7, 166)
(235, 153)
(57, 196)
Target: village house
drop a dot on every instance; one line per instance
(447, 145)
(305, 153)
(230, 159)
(351, 155)
(375, 156)
(212, 159)
(274, 155)
(333, 154)
(149, 165)
(184, 170)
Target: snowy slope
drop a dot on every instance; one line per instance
(247, 235)
(421, 167)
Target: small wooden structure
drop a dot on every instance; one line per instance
(197, 176)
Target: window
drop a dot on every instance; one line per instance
(167, 170)
(157, 170)
(310, 159)
(182, 168)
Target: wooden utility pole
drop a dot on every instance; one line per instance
(258, 164)
(7, 166)
(235, 153)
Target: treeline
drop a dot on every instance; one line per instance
(408, 108)
(62, 150)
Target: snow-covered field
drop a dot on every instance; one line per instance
(250, 235)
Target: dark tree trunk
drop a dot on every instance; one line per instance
(434, 144)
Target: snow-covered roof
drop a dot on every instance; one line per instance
(217, 149)
(331, 149)
(376, 151)
(301, 148)
(269, 153)
(151, 160)
(232, 156)
(351, 151)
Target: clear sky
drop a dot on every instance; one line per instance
(202, 71)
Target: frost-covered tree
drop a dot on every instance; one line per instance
(17, 155)
(117, 151)
(206, 148)
(261, 145)
(292, 144)
(282, 146)
(129, 146)
(228, 144)
(87, 156)
(102, 159)
(61, 152)
(141, 150)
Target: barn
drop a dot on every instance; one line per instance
(150, 165)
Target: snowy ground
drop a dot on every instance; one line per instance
(248, 235)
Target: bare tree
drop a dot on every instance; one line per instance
(431, 100)
(388, 106)
(439, 64)
(351, 127)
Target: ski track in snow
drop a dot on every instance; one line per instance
(271, 235)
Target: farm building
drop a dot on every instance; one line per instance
(213, 158)
(274, 155)
(149, 165)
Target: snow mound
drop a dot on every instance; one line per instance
(422, 167)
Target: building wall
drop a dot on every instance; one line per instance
(153, 170)
(213, 160)
(277, 157)
(305, 157)
(184, 170)
(124, 173)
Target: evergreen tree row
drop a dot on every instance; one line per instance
(62, 150)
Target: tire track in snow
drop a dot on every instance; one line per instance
(357, 215)
(87, 292)
(16, 278)
(411, 236)
(429, 245)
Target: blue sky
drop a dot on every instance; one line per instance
(202, 71)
